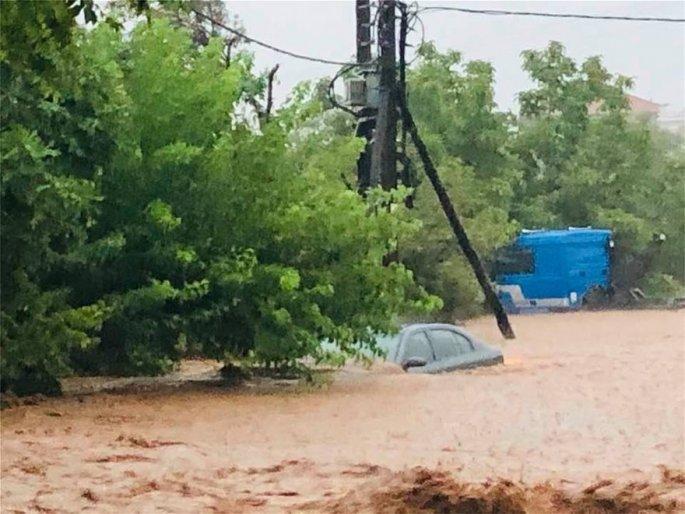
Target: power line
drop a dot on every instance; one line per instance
(271, 47)
(552, 15)
(434, 9)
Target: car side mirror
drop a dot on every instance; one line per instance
(413, 362)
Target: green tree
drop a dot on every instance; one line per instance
(553, 121)
(156, 222)
(587, 161)
(54, 113)
(468, 137)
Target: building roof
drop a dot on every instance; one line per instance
(635, 104)
(638, 104)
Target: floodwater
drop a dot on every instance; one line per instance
(586, 415)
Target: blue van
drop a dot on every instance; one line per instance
(553, 269)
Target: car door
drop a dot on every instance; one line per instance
(415, 344)
(452, 350)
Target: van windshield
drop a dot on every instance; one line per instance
(512, 260)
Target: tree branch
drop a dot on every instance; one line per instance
(269, 97)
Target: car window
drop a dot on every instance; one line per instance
(448, 344)
(417, 345)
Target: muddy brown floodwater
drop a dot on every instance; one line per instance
(586, 415)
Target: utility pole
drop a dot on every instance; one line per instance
(363, 31)
(384, 151)
(407, 170)
(457, 226)
(367, 115)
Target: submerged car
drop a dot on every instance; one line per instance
(438, 348)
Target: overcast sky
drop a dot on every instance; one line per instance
(652, 53)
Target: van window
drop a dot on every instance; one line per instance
(513, 260)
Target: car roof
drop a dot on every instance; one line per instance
(414, 327)
(430, 326)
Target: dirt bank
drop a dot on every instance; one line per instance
(583, 397)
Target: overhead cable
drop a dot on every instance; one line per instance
(270, 47)
(499, 12)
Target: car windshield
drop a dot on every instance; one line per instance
(417, 345)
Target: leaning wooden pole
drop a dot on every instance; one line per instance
(457, 227)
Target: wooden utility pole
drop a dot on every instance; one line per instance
(366, 116)
(407, 175)
(457, 226)
(384, 152)
(363, 31)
